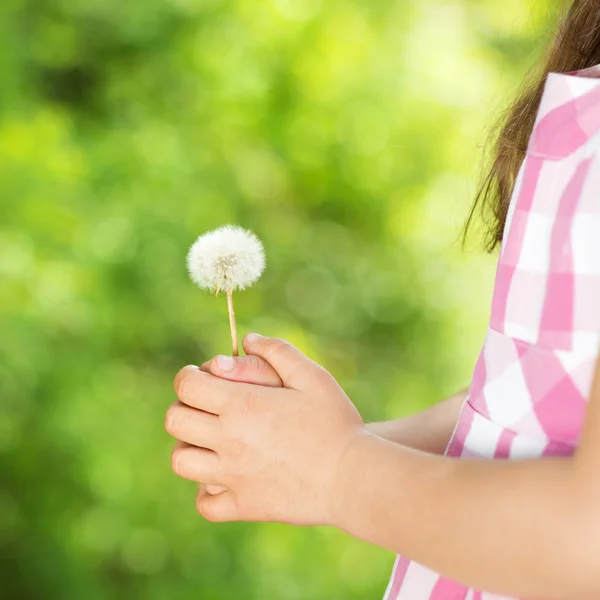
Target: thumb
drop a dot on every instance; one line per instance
(246, 369)
(294, 368)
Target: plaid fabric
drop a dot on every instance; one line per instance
(530, 386)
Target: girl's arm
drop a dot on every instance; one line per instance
(428, 430)
(526, 528)
(301, 455)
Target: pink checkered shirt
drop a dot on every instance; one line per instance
(530, 386)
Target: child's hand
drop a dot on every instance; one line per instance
(247, 369)
(275, 451)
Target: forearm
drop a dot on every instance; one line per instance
(508, 527)
(429, 430)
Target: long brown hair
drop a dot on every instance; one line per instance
(576, 45)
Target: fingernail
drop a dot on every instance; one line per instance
(225, 363)
(252, 337)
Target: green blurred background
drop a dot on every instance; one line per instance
(345, 133)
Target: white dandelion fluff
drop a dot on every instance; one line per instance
(226, 259)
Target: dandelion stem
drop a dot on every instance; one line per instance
(232, 326)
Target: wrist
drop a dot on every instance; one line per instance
(353, 462)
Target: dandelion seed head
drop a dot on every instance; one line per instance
(226, 259)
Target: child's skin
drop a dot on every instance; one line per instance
(301, 454)
(429, 430)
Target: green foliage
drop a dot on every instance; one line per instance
(344, 133)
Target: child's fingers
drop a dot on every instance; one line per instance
(196, 464)
(193, 426)
(246, 369)
(217, 508)
(211, 489)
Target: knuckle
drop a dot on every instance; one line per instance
(178, 461)
(322, 375)
(254, 366)
(277, 345)
(171, 418)
(181, 376)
